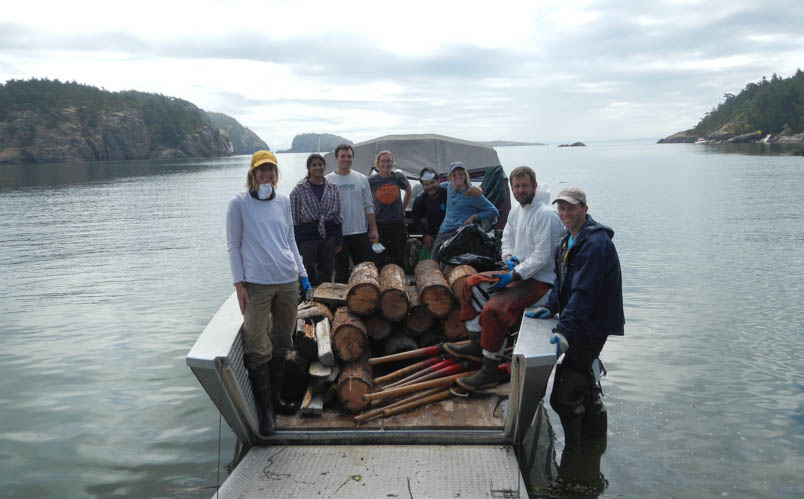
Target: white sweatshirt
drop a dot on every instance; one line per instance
(531, 234)
(354, 193)
(262, 246)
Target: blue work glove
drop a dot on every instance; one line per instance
(511, 262)
(540, 313)
(305, 284)
(560, 342)
(502, 281)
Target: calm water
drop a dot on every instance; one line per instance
(109, 271)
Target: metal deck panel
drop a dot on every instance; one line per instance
(438, 471)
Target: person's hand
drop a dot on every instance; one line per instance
(560, 342)
(428, 241)
(511, 262)
(474, 191)
(305, 284)
(539, 313)
(242, 297)
(502, 281)
(373, 235)
(338, 249)
(472, 219)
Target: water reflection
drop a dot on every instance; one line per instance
(576, 475)
(755, 149)
(65, 174)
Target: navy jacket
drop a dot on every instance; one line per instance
(588, 290)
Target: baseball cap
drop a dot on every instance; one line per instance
(262, 157)
(454, 165)
(572, 195)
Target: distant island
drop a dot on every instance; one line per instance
(770, 111)
(574, 144)
(48, 120)
(509, 143)
(316, 142)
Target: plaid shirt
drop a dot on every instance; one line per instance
(306, 208)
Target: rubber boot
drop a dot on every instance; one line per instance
(261, 386)
(469, 351)
(488, 377)
(277, 368)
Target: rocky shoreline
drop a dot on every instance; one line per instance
(689, 137)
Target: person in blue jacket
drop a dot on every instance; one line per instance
(588, 296)
(462, 207)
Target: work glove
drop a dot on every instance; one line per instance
(502, 281)
(540, 313)
(560, 342)
(511, 262)
(305, 284)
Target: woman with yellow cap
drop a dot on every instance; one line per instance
(266, 270)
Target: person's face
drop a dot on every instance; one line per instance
(344, 159)
(265, 174)
(523, 189)
(316, 168)
(572, 216)
(385, 164)
(430, 187)
(458, 178)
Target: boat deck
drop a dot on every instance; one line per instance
(484, 410)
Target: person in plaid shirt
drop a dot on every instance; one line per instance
(317, 220)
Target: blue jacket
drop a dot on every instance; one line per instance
(460, 207)
(588, 290)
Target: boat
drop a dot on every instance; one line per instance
(464, 447)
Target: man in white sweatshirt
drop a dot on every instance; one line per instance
(492, 303)
(357, 210)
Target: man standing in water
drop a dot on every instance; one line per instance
(357, 210)
(588, 296)
(492, 302)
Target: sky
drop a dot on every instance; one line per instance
(529, 71)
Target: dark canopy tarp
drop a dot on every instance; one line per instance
(414, 152)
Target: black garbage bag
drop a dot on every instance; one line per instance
(470, 245)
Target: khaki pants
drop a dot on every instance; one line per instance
(269, 321)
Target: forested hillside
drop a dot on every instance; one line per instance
(49, 120)
(772, 107)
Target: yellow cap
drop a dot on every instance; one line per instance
(262, 157)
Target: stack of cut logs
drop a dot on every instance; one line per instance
(379, 320)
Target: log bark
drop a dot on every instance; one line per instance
(355, 381)
(296, 376)
(419, 318)
(433, 290)
(312, 311)
(398, 343)
(432, 337)
(394, 301)
(304, 341)
(453, 327)
(348, 335)
(377, 327)
(457, 277)
(363, 291)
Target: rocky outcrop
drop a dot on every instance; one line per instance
(244, 141)
(64, 135)
(574, 144)
(724, 136)
(314, 142)
(679, 138)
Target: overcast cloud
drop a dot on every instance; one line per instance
(529, 71)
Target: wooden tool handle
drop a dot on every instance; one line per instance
(445, 394)
(407, 370)
(412, 354)
(417, 387)
(362, 418)
(427, 370)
